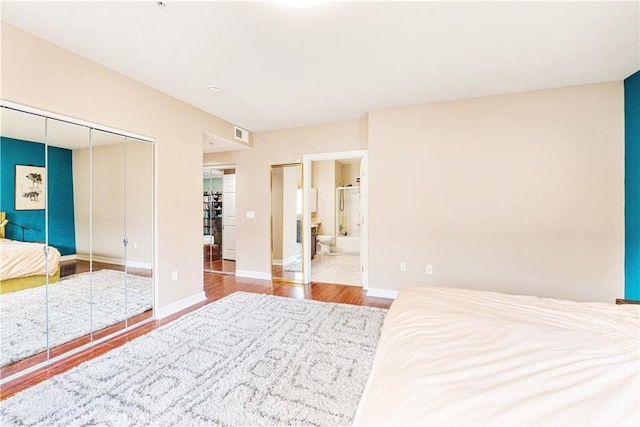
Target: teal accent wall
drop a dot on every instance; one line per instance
(632, 186)
(59, 193)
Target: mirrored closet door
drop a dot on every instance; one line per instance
(219, 218)
(76, 222)
(286, 223)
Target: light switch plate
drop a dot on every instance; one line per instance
(251, 214)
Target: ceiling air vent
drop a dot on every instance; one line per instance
(241, 134)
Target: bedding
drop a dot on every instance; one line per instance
(460, 357)
(22, 259)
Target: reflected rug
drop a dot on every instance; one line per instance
(77, 304)
(247, 359)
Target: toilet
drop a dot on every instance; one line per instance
(324, 241)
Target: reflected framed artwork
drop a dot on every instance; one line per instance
(30, 187)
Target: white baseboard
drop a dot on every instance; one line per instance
(253, 274)
(292, 259)
(115, 261)
(177, 306)
(68, 257)
(382, 293)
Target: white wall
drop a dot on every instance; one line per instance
(518, 193)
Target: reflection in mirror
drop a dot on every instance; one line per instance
(76, 236)
(24, 269)
(138, 230)
(107, 249)
(286, 222)
(212, 202)
(69, 300)
(218, 218)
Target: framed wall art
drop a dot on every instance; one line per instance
(30, 187)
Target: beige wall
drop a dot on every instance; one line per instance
(252, 178)
(519, 193)
(290, 178)
(42, 75)
(277, 197)
(350, 173)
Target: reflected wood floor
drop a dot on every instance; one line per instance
(216, 286)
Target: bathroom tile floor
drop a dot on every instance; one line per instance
(343, 269)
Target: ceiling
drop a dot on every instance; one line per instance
(280, 66)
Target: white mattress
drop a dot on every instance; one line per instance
(21, 259)
(460, 357)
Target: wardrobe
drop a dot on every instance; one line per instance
(84, 193)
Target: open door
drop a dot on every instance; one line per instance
(229, 217)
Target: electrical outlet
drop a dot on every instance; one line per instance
(403, 266)
(174, 275)
(429, 269)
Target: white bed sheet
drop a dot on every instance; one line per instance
(460, 357)
(21, 259)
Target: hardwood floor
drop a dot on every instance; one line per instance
(216, 286)
(220, 265)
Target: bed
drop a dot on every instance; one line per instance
(22, 265)
(460, 357)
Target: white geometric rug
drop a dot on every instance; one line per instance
(71, 310)
(247, 359)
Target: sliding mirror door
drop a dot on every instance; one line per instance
(108, 225)
(138, 230)
(76, 208)
(23, 265)
(68, 176)
(286, 223)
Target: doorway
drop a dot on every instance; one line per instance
(219, 219)
(335, 197)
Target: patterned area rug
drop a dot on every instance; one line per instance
(247, 359)
(71, 313)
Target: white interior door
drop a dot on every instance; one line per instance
(229, 216)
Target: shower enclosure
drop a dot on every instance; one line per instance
(348, 219)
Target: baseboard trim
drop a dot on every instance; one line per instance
(177, 306)
(115, 261)
(253, 274)
(382, 293)
(68, 257)
(286, 261)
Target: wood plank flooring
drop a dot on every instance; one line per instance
(216, 286)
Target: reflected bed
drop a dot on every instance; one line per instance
(23, 265)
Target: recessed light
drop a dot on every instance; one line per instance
(215, 89)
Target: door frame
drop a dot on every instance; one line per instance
(363, 155)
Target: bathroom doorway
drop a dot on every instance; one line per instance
(335, 197)
(218, 219)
